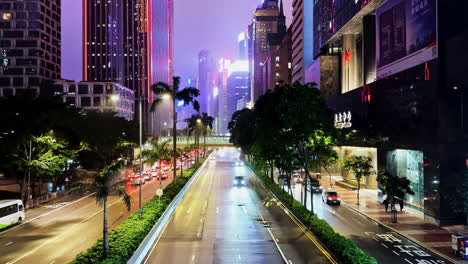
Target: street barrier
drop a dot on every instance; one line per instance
(156, 232)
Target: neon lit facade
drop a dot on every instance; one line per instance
(130, 42)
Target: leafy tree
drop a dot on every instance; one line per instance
(302, 112)
(107, 182)
(242, 129)
(104, 138)
(360, 166)
(186, 95)
(393, 186)
(207, 122)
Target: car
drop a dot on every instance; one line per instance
(239, 181)
(137, 181)
(331, 197)
(316, 187)
(298, 178)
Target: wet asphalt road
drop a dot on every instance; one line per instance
(217, 222)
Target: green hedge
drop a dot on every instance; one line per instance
(127, 237)
(344, 249)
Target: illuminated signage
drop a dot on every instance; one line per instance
(343, 120)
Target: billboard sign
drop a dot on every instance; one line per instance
(406, 35)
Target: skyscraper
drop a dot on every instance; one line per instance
(206, 71)
(302, 34)
(30, 52)
(238, 84)
(268, 29)
(130, 42)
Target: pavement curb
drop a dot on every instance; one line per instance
(291, 213)
(446, 258)
(147, 244)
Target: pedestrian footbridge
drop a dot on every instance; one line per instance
(211, 141)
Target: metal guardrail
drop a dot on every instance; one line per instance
(44, 199)
(143, 250)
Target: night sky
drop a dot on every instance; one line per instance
(199, 24)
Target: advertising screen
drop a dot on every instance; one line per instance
(406, 35)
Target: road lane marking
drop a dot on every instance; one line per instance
(201, 220)
(395, 253)
(305, 231)
(52, 239)
(384, 245)
(408, 261)
(375, 239)
(193, 257)
(290, 262)
(272, 237)
(217, 210)
(9, 243)
(52, 262)
(46, 214)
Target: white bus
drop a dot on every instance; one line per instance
(11, 212)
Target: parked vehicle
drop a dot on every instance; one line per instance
(331, 197)
(11, 212)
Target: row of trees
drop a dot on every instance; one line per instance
(43, 140)
(291, 128)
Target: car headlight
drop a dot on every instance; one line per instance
(320, 187)
(328, 198)
(339, 199)
(235, 182)
(243, 182)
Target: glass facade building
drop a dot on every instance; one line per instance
(130, 42)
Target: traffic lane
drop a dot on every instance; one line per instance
(221, 231)
(71, 230)
(377, 240)
(180, 240)
(296, 245)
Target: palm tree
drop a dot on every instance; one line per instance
(187, 95)
(106, 182)
(207, 122)
(156, 152)
(194, 124)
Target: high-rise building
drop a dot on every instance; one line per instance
(30, 53)
(206, 69)
(278, 65)
(238, 87)
(242, 43)
(130, 42)
(302, 33)
(223, 114)
(268, 28)
(400, 78)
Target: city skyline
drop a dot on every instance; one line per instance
(221, 39)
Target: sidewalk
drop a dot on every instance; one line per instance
(412, 226)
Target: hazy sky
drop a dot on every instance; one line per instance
(199, 24)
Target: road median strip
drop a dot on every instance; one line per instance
(343, 249)
(125, 239)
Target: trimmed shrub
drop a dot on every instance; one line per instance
(344, 249)
(125, 239)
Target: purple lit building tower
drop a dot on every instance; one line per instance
(130, 42)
